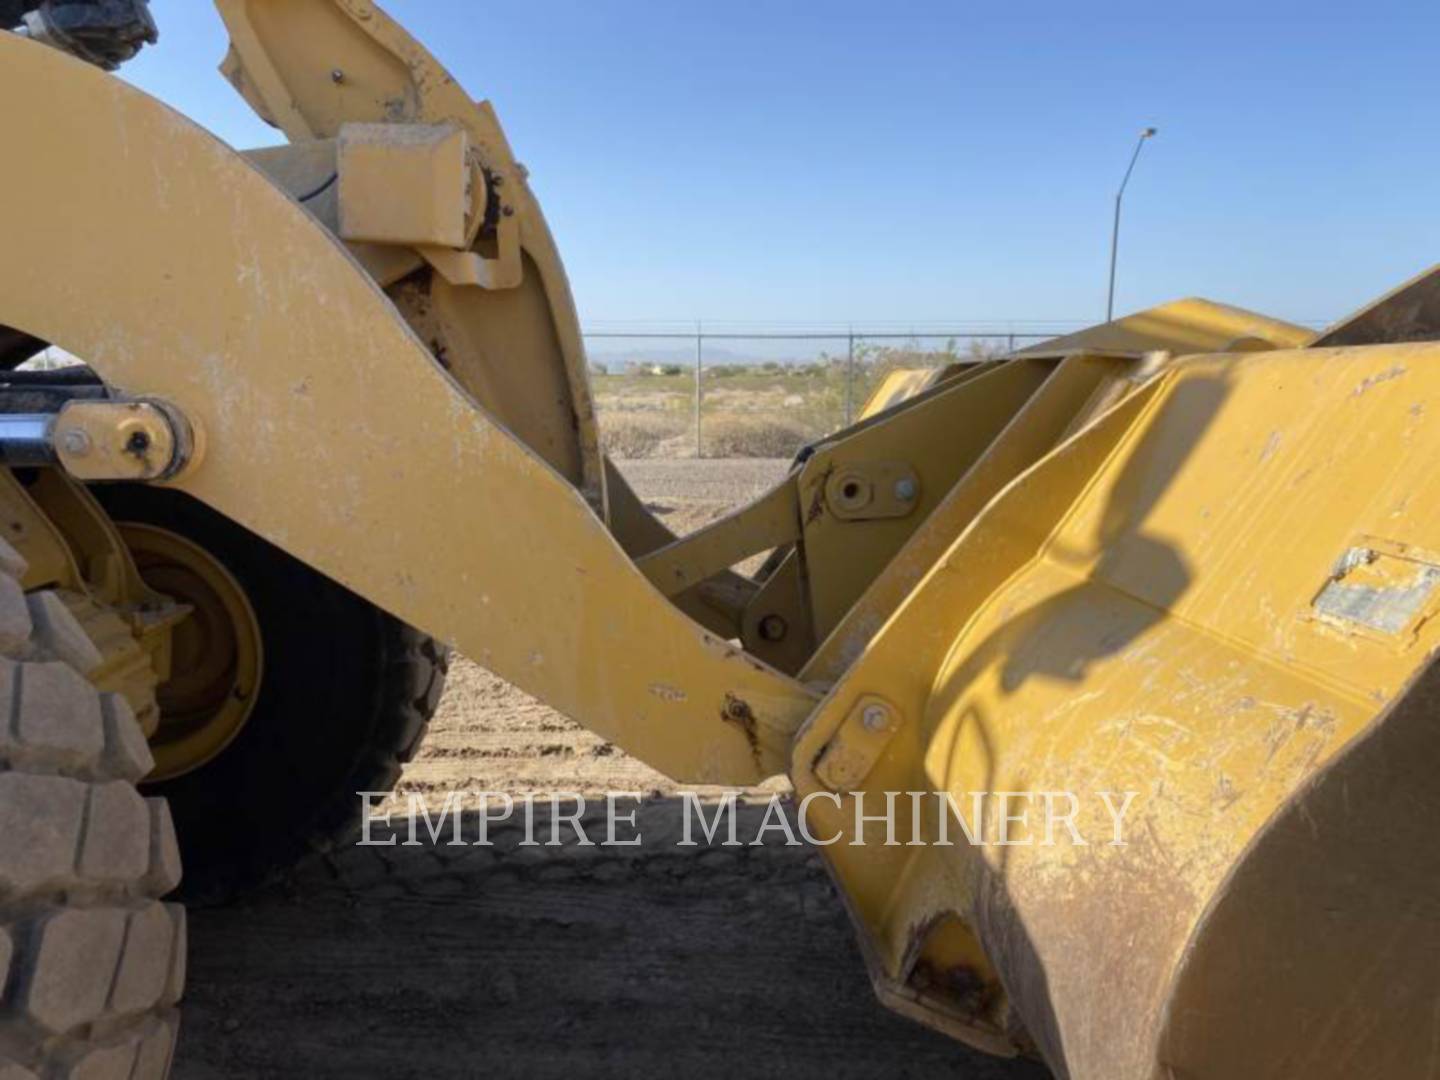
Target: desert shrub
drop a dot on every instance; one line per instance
(626, 435)
(753, 437)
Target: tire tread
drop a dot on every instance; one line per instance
(91, 963)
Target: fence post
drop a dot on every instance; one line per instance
(699, 388)
(850, 379)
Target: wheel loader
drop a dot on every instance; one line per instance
(333, 419)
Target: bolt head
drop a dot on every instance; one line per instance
(905, 489)
(773, 628)
(75, 442)
(874, 717)
(337, 76)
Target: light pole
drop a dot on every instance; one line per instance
(1148, 133)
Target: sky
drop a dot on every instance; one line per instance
(925, 163)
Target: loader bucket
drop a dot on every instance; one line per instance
(1189, 654)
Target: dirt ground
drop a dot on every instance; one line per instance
(517, 961)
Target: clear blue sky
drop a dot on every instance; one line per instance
(936, 162)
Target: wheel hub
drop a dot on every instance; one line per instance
(216, 656)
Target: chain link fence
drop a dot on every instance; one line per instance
(726, 394)
(741, 394)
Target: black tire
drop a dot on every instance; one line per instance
(346, 694)
(91, 963)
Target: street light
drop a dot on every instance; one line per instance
(1148, 133)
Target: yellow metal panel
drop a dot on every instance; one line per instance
(777, 624)
(718, 603)
(1161, 606)
(902, 384)
(404, 184)
(68, 542)
(1183, 327)
(866, 490)
(939, 436)
(312, 66)
(1067, 397)
(31, 530)
(107, 568)
(333, 432)
(308, 170)
(897, 386)
(769, 521)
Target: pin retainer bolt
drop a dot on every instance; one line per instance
(75, 442)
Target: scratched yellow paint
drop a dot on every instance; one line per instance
(1199, 599)
(1138, 613)
(331, 430)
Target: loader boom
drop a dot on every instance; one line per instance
(1180, 561)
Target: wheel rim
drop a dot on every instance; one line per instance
(216, 652)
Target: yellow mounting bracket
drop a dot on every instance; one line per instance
(407, 184)
(422, 186)
(862, 737)
(869, 490)
(123, 440)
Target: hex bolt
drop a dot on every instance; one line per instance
(75, 442)
(337, 76)
(874, 717)
(773, 628)
(905, 489)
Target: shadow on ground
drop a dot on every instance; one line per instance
(441, 961)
